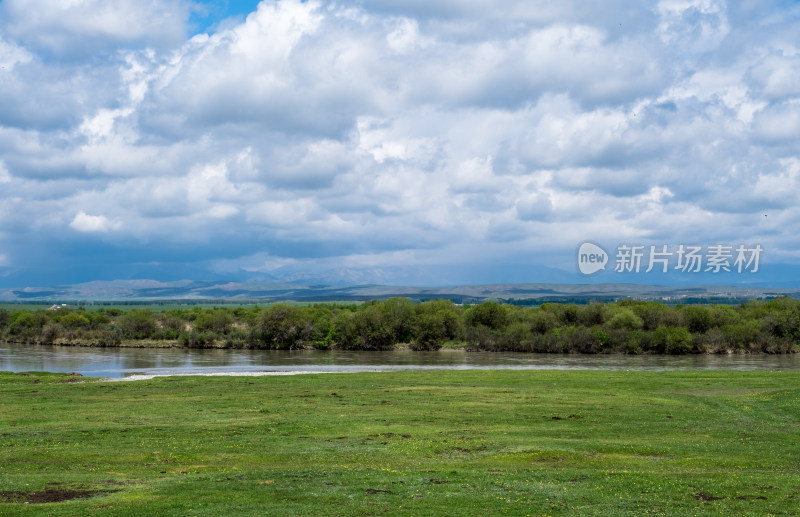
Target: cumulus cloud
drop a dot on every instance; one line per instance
(11, 55)
(5, 176)
(93, 223)
(77, 27)
(322, 133)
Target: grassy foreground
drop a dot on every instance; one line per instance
(408, 443)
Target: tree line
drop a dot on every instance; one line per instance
(628, 326)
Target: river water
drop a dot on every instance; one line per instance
(131, 362)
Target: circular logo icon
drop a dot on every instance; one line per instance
(591, 258)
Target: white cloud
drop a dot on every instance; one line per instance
(285, 214)
(394, 129)
(693, 25)
(12, 55)
(5, 176)
(778, 122)
(536, 207)
(66, 27)
(93, 223)
(776, 75)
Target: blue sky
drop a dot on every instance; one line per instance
(207, 16)
(392, 141)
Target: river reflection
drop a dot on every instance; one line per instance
(125, 362)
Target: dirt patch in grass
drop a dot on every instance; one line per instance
(700, 496)
(49, 495)
(389, 435)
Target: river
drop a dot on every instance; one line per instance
(137, 362)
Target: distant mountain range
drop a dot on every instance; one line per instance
(152, 290)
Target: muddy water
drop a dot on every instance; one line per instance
(126, 362)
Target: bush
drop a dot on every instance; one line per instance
(591, 314)
(565, 314)
(108, 337)
(698, 319)
(237, 338)
(73, 320)
(637, 341)
(541, 321)
(712, 342)
(24, 325)
(780, 323)
(283, 327)
(546, 343)
(436, 322)
(581, 340)
(50, 333)
(136, 324)
(195, 339)
(626, 320)
(672, 340)
(430, 332)
(96, 319)
(216, 320)
(516, 338)
(628, 326)
(481, 338)
(399, 314)
(654, 314)
(373, 330)
(741, 335)
(4, 318)
(488, 314)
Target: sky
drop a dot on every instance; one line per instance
(387, 141)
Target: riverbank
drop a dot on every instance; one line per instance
(449, 346)
(627, 326)
(403, 443)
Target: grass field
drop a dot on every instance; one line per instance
(407, 443)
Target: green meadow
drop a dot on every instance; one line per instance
(408, 443)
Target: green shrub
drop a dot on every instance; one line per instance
(4, 318)
(488, 314)
(636, 342)
(215, 320)
(24, 325)
(284, 327)
(50, 333)
(399, 314)
(712, 342)
(541, 321)
(73, 320)
(435, 323)
(672, 340)
(481, 338)
(625, 320)
(591, 314)
(136, 324)
(697, 318)
(516, 338)
(195, 339)
(742, 335)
